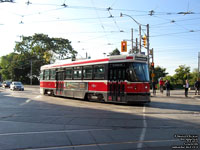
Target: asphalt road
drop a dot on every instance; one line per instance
(29, 120)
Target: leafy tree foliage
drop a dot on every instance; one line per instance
(39, 50)
(182, 73)
(115, 52)
(159, 72)
(193, 77)
(44, 47)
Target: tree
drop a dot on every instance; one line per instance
(115, 52)
(8, 65)
(37, 50)
(194, 76)
(159, 72)
(182, 73)
(43, 46)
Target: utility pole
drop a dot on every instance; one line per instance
(140, 40)
(132, 51)
(136, 44)
(199, 65)
(152, 65)
(148, 44)
(31, 72)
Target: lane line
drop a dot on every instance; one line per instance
(142, 136)
(47, 132)
(39, 96)
(26, 102)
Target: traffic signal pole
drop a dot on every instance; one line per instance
(132, 51)
(140, 36)
(148, 44)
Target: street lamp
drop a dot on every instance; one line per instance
(121, 15)
(140, 38)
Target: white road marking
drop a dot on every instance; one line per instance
(26, 102)
(142, 136)
(47, 132)
(39, 96)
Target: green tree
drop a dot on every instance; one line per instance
(8, 65)
(115, 52)
(37, 50)
(194, 76)
(159, 72)
(44, 47)
(182, 73)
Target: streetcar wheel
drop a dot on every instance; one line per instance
(89, 97)
(100, 97)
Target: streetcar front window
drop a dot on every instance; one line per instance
(138, 72)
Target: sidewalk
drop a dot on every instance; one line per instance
(177, 93)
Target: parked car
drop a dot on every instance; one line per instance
(17, 86)
(6, 84)
(0, 84)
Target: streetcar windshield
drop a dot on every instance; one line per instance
(138, 72)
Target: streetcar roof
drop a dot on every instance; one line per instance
(110, 59)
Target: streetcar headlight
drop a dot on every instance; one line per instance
(146, 87)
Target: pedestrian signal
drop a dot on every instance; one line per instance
(123, 46)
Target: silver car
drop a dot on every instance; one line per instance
(17, 86)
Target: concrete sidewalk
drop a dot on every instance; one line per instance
(177, 93)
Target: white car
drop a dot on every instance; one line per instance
(17, 86)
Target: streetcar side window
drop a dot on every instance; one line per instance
(42, 75)
(68, 73)
(99, 72)
(46, 74)
(77, 73)
(52, 74)
(87, 72)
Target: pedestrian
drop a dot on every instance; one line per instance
(161, 84)
(154, 87)
(186, 86)
(197, 87)
(167, 86)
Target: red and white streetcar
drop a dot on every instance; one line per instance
(120, 78)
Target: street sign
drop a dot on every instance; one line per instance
(153, 75)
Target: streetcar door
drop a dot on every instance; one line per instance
(116, 84)
(60, 82)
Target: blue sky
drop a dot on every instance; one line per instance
(94, 26)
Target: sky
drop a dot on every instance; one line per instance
(95, 26)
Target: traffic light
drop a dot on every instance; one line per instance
(152, 65)
(123, 46)
(144, 41)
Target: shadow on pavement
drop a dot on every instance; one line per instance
(95, 126)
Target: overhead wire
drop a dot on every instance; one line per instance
(101, 23)
(111, 16)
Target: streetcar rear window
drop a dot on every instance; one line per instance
(52, 74)
(41, 75)
(46, 74)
